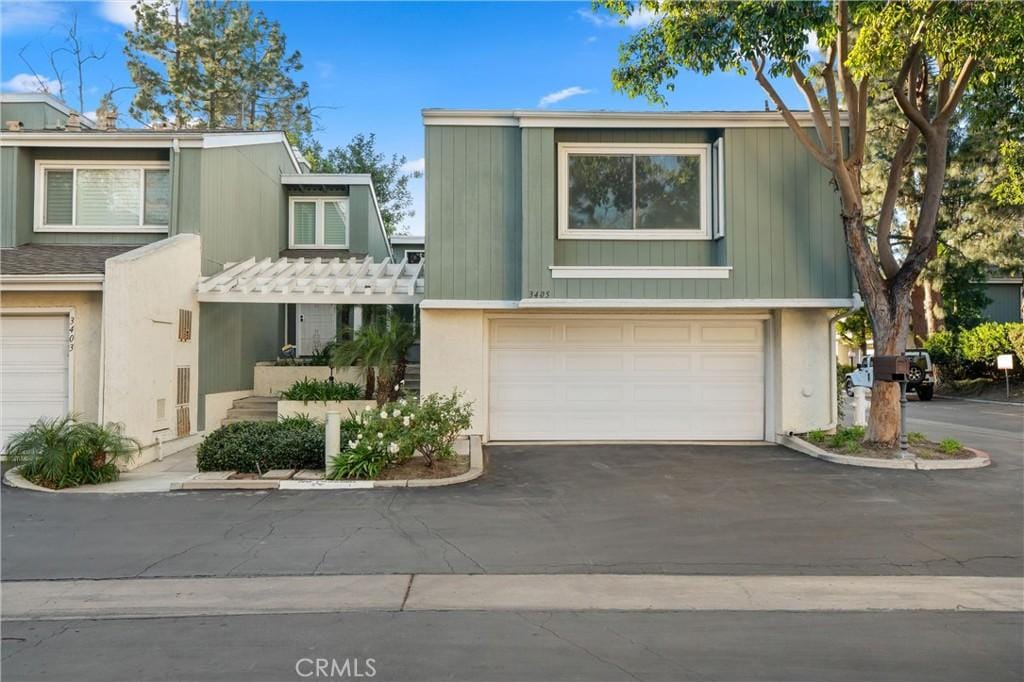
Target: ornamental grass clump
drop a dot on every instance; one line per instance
(307, 390)
(64, 453)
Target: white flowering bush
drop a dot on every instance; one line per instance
(382, 437)
(378, 438)
(439, 421)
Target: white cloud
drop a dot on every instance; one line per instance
(813, 47)
(15, 16)
(121, 12)
(559, 95)
(638, 19)
(414, 166)
(325, 70)
(591, 39)
(26, 82)
(118, 12)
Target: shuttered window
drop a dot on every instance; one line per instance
(335, 228)
(103, 196)
(59, 196)
(304, 223)
(157, 197)
(318, 222)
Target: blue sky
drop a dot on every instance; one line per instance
(373, 66)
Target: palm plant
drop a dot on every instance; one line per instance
(379, 348)
(63, 452)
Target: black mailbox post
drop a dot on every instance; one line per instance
(895, 368)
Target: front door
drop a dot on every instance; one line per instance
(318, 325)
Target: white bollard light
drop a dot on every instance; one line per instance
(332, 438)
(860, 406)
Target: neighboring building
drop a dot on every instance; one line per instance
(411, 247)
(618, 276)
(106, 237)
(1006, 299)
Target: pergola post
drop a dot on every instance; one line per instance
(357, 317)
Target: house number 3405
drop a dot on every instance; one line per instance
(540, 293)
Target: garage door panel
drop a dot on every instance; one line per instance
(647, 333)
(623, 379)
(33, 370)
(594, 335)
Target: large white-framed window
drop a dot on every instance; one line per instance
(317, 222)
(102, 196)
(634, 191)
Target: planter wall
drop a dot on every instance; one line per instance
(270, 380)
(319, 409)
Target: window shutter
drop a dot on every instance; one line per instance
(335, 224)
(59, 194)
(304, 223)
(718, 189)
(157, 205)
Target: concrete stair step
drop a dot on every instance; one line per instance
(257, 400)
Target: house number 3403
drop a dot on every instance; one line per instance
(540, 293)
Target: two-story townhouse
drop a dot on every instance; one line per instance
(108, 234)
(630, 276)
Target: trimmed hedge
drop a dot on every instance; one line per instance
(972, 353)
(255, 447)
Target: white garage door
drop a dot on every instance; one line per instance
(627, 379)
(33, 370)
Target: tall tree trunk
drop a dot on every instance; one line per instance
(890, 324)
(919, 324)
(933, 308)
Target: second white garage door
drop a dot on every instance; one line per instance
(33, 370)
(626, 379)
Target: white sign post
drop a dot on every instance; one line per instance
(1005, 363)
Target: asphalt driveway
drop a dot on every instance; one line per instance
(550, 509)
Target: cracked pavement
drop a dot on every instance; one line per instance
(551, 509)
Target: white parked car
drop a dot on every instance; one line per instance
(919, 378)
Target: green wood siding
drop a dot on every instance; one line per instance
(1004, 305)
(474, 237)
(33, 115)
(783, 235)
(365, 232)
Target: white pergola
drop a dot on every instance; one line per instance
(315, 280)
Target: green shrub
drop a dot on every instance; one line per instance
(817, 436)
(308, 390)
(984, 342)
(916, 438)
(438, 422)
(381, 439)
(944, 349)
(1015, 333)
(63, 452)
(950, 446)
(388, 436)
(847, 438)
(256, 447)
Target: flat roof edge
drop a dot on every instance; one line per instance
(528, 118)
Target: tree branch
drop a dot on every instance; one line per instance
(892, 189)
(903, 91)
(815, 150)
(948, 105)
(817, 114)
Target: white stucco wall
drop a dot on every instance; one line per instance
(86, 307)
(453, 356)
(143, 291)
(804, 392)
(799, 386)
(270, 380)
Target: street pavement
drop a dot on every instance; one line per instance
(638, 510)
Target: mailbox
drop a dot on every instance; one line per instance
(891, 367)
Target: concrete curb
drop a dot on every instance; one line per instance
(980, 400)
(797, 444)
(218, 480)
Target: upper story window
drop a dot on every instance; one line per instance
(635, 191)
(102, 196)
(318, 222)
